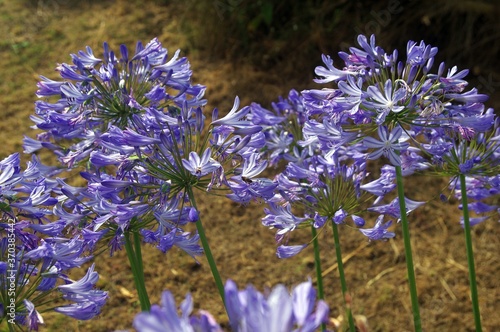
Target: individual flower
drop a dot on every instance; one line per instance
(330, 73)
(88, 301)
(385, 101)
(379, 231)
(393, 209)
(201, 166)
(389, 145)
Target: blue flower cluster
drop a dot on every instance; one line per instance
(134, 124)
(35, 253)
(381, 108)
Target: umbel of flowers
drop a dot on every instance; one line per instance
(35, 254)
(381, 107)
(133, 127)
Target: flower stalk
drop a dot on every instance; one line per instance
(317, 266)
(134, 255)
(343, 284)
(408, 252)
(470, 255)
(207, 250)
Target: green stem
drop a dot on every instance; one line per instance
(317, 265)
(470, 255)
(206, 249)
(408, 253)
(140, 271)
(137, 269)
(343, 284)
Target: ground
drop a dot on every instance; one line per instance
(38, 35)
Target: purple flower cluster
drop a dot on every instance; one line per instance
(35, 254)
(132, 126)
(248, 310)
(381, 108)
(479, 160)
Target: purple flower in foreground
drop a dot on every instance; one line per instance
(165, 318)
(248, 310)
(388, 145)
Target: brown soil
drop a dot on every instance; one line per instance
(37, 35)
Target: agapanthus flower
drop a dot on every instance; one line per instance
(326, 180)
(141, 177)
(98, 92)
(385, 101)
(389, 145)
(248, 310)
(134, 123)
(379, 231)
(164, 317)
(426, 122)
(426, 106)
(87, 300)
(477, 159)
(201, 166)
(322, 190)
(35, 252)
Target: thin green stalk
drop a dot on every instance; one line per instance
(408, 253)
(137, 272)
(343, 284)
(317, 265)
(206, 248)
(470, 255)
(140, 271)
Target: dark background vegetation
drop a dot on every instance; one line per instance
(259, 50)
(290, 35)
